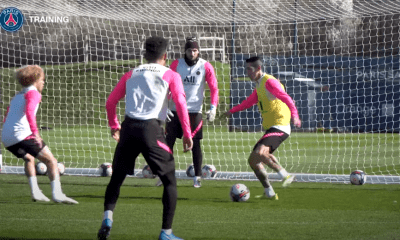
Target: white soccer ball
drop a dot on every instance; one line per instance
(190, 171)
(105, 170)
(358, 177)
(209, 171)
(239, 193)
(41, 168)
(61, 168)
(147, 173)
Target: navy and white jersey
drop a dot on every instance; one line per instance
(193, 80)
(146, 88)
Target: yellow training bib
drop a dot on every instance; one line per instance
(273, 111)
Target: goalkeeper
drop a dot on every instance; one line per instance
(276, 108)
(195, 72)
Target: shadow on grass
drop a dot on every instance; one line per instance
(127, 197)
(38, 238)
(25, 238)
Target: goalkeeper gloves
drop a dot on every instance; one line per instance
(211, 113)
(170, 115)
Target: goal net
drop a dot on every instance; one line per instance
(338, 60)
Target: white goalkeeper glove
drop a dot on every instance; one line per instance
(211, 113)
(170, 115)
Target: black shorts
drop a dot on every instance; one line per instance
(26, 146)
(174, 127)
(272, 138)
(145, 137)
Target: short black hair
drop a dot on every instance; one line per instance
(155, 48)
(255, 61)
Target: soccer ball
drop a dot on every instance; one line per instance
(239, 193)
(61, 168)
(147, 173)
(41, 168)
(190, 171)
(358, 177)
(208, 171)
(105, 170)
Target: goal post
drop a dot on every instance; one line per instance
(338, 60)
(213, 47)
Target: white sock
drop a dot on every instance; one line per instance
(283, 173)
(108, 214)
(56, 187)
(269, 191)
(33, 184)
(167, 231)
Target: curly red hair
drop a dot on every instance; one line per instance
(29, 74)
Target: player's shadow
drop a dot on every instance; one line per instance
(27, 238)
(126, 197)
(24, 202)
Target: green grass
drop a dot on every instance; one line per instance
(304, 211)
(73, 105)
(329, 153)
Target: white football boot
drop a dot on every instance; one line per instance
(38, 196)
(62, 198)
(287, 180)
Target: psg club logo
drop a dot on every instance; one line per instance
(11, 19)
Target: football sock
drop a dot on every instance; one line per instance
(33, 184)
(269, 192)
(108, 214)
(283, 173)
(56, 186)
(167, 231)
(197, 156)
(169, 198)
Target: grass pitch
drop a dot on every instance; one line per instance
(303, 211)
(332, 153)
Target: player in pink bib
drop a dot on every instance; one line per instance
(20, 134)
(277, 109)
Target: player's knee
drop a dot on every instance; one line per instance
(46, 156)
(168, 179)
(48, 161)
(260, 156)
(267, 156)
(28, 158)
